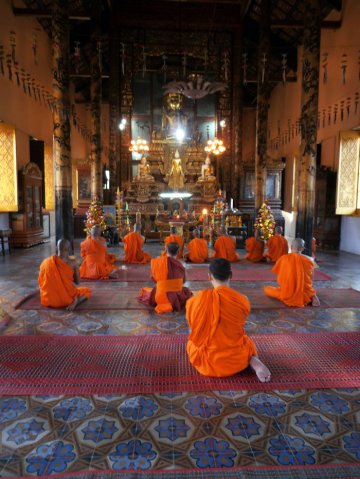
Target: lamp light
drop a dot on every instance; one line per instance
(139, 146)
(215, 146)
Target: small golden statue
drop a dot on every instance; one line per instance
(143, 173)
(176, 175)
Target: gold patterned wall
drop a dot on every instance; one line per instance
(348, 174)
(8, 177)
(49, 178)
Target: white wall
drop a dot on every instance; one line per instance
(350, 234)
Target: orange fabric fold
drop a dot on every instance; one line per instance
(294, 275)
(175, 239)
(57, 289)
(198, 251)
(159, 273)
(277, 247)
(225, 247)
(134, 254)
(97, 264)
(254, 250)
(217, 344)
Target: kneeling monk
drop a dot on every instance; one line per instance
(133, 243)
(277, 246)
(225, 247)
(56, 278)
(173, 237)
(97, 263)
(198, 249)
(218, 345)
(294, 274)
(254, 248)
(169, 274)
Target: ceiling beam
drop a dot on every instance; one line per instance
(45, 13)
(325, 24)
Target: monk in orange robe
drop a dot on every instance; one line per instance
(97, 263)
(217, 344)
(169, 294)
(57, 277)
(277, 246)
(294, 274)
(133, 243)
(173, 237)
(225, 247)
(198, 249)
(255, 248)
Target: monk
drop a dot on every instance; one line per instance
(255, 248)
(133, 243)
(294, 274)
(97, 263)
(217, 345)
(198, 249)
(57, 277)
(168, 294)
(178, 239)
(225, 247)
(277, 246)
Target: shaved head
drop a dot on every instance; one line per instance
(196, 233)
(63, 246)
(173, 230)
(278, 230)
(222, 230)
(137, 228)
(172, 248)
(220, 269)
(297, 245)
(95, 231)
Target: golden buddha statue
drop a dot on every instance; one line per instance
(143, 173)
(207, 171)
(176, 175)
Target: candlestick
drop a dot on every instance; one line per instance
(231, 203)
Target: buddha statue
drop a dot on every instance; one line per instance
(207, 171)
(176, 175)
(143, 173)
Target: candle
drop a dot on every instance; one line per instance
(126, 207)
(231, 203)
(138, 217)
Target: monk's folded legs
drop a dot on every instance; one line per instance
(76, 302)
(315, 301)
(262, 372)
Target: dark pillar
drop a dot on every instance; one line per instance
(263, 95)
(96, 94)
(61, 121)
(309, 109)
(237, 97)
(114, 117)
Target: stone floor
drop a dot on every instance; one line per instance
(46, 435)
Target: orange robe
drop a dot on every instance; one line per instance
(97, 264)
(294, 274)
(134, 254)
(175, 239)
(277, 246)
(254, 249)
(218, 345)
(57, 289)
(224, 247)
(169, 292)
(198, 251)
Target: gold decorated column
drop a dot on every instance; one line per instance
(263, 95)
(61, 120)
(114, 87)
(309, 109)
(96, 94)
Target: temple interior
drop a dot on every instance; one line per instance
(204, 116)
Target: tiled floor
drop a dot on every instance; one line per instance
(54, 434)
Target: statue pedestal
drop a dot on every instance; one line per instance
(208, 189)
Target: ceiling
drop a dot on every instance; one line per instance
(206, 16)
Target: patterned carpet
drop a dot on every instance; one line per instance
(107, 296)
(147, 364)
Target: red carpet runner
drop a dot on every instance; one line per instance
(109, 296)
(145, 364)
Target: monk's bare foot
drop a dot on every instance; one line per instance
(73, 305)
(261, 371)
(114, 274)
(315, 301)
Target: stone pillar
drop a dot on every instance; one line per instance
(114, 117)
(263, 95)
(61, 120)
(237, 98)
(309, 109)
(96, 96)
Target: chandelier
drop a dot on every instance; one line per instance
(195, 88)
(139, 146)
(215, 146)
